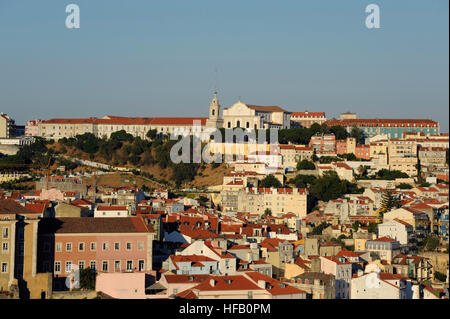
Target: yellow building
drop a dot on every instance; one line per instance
(19, 254)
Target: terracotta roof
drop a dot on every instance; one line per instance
(180, 279)
(273, 286)
(273, 108)
(111, 208)
(98, 225)
(9, 206)
(384, 239)
(308, 114)
(223, 283)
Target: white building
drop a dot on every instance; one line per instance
(396, 229)
(380, 285)
(111, 211)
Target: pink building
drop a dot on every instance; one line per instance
(122, 244)
(32, 128)
(341, 147)
(323, 144)
(362, 151)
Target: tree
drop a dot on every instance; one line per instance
(329, 186)
(122, 136)
(267, 212)
(356, 225)
(349, 156)
(302, 181)
(372, 227)
(440, 276)
(306, 165)
(87, 278)
(270, 181)
(319, 229)
(389, 201)
(358, 134)
(404, 186)
(390, 175)
(151, 134)
(431, 242)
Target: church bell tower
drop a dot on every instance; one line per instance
(214, 119)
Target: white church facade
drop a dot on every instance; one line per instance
(247, 116)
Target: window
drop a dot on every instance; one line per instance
(68, 266)
(81, 247)
(116, 246)
(117, 265)
(81, 264)
(105, 266)
(68, 246)
(140, 245)
(5, 232)
(129, 265)
(93, 265)
(128, 246)
(93, 246)
(5, 247)
(57, 267)
(4, 267)
(141, 265)
(105, 246)
(58, 247)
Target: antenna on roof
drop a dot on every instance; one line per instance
(216, 72)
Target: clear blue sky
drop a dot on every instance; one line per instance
(157, 58)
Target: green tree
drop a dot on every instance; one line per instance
(302, 181)
(305, 165)
(404, 186)
(122, 136)
(440, 276)
(431, 242)
(388, 201)
(372, 227)
(270, 181)
(151, 134)
(319, 229)
(358, 134)
(267, 212)
(87, 278)
(328, 187)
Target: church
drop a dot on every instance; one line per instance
(247, 116)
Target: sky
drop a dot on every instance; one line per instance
(166, 58)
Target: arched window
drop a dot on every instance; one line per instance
(238, 124)
(247, 125)
(213, 112)
(229, 124)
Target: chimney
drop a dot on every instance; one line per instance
(262, 284)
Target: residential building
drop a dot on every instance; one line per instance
(306, 118)
(105, 244)
(393, 128)
(317, 285)
(19, 253)
(383, 248)
(342, 272)
(7, 126)
(380, 285)
(280, 201)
